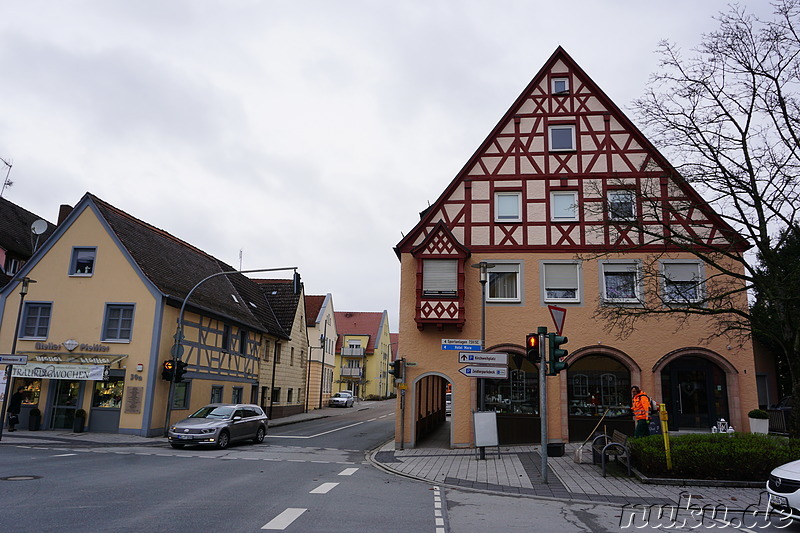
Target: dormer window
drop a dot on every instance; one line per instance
(82, 262)
(559, 86)
(439, 277)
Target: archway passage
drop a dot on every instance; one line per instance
(696, 393)
(432, 425)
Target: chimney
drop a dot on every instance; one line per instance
(63, 212)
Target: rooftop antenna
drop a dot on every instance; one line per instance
(37, 228)
(241, 251)
(6, 182)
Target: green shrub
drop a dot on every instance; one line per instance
(739, 456)
(758, 413)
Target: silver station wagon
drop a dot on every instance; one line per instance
(220, 424)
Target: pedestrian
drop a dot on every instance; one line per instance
(640, 405)
(14, 407)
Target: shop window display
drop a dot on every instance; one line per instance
(519, 394)
(33, 388)
(597, 385)
(108, 394)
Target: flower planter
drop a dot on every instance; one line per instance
(759, 425)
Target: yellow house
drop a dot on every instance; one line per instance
(363, 352)
(99, 319)
(549, 211)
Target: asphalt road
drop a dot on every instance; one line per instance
(305, 477)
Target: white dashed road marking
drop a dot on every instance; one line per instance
(348, 471)
(283, 520)
(325, 488)
(64, 455)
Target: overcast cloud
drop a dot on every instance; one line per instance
(303, 133)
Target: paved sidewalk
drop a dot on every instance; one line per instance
(517, 470)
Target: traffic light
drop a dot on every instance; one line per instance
(532, 347)
(168, 371)
(556, 365)
(396, 369)
(180, 370)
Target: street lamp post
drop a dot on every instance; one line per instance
(484, 268)
(177, 349)
(9, 369)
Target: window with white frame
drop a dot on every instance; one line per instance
(439, 277)
(559, 85)
(564, 206)
(36, 320)
(82, 262)
(118, 322)
(561, 137)
(621, 205)
(621, 282)
(561, 282)
(508, 207)
(504, 282)
(682, 281)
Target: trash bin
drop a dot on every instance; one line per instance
(555, 449)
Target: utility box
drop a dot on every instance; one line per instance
(555, 449)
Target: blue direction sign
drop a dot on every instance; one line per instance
(7, 359)
(462, 345)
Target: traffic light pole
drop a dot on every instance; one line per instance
(542, 332)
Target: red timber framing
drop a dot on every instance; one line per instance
(607, 153)
(440, 310)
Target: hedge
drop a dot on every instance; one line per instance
(738, 457)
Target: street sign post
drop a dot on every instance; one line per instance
(6, 359)
(462, 345)
(485, 371)
(559, 314)
(483, 358)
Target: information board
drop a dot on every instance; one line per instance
(485, 428)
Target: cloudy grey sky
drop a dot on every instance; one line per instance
(301, 133)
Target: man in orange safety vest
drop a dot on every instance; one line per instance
(641, 412)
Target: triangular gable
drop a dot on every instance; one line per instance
(441, 243)
(515, 156)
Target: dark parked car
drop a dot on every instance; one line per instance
(219, 424)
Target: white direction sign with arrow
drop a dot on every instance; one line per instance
(483, 358)
(485, 371)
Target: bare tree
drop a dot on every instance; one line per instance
(728, 114)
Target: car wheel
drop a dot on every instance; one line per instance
(177, 445)
(223, 440)
(259, 438)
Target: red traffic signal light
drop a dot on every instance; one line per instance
(532, 346)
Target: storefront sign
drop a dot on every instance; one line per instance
(72, 372)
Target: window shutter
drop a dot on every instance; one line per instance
(439, 275)
(561, 276)
(681, 271)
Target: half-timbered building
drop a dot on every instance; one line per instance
(100, 317)
(562, 204)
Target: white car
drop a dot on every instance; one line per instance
(341, 399)
(448, 404)
(784, 489)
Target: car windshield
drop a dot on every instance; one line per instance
(214, 411)
(341, 395)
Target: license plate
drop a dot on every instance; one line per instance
(184, 437)
(778, 501)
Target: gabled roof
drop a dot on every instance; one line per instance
(16, 236)
(175, 267)
(394, 337)
(313, 307)
(359, 323)
(497, 155)
(284, 302)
